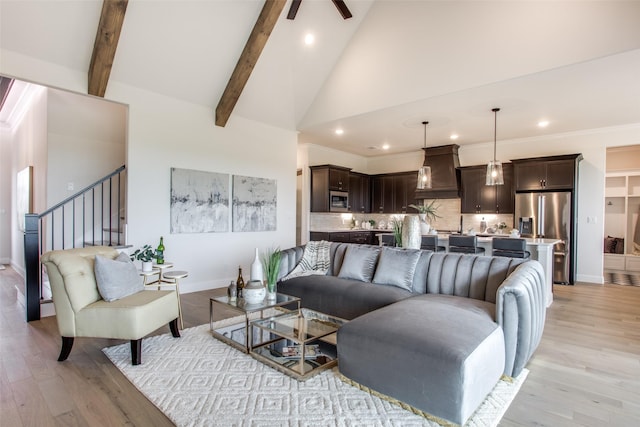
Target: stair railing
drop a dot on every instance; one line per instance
(74, 222)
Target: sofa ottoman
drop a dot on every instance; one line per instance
(438, 353)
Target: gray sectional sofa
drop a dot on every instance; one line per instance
(433, 330)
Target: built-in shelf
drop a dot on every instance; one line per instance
(621, 208)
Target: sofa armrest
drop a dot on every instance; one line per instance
(520, 311)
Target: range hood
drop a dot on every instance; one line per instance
(445, 175)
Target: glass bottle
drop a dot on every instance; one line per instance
(240, 282)
(232, 292)
(256, 268)
(160, 252)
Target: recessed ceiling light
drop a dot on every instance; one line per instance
(385, 146)
(309, 39)
(454, 136)
(543, 123)
(339, 131)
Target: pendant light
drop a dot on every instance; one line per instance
(494, 168)
(424, 173)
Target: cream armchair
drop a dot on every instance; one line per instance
(81, 311)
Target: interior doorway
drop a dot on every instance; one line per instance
(622, 211)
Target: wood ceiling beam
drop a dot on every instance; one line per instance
(105, 45)
(343, 9)
(248, 59)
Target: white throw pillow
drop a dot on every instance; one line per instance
(117, 278)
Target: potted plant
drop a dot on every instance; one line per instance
(396, 223)
(427, 214)
(145, 254)
(271, 265)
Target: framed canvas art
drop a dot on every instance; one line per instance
(199, 201)
(254, 204)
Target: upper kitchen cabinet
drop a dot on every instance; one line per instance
(324, 179)
(546, 173)
(359, 193)
(393, 193)
(477, 197)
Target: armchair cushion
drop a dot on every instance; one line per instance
(117, 278)
(128, 318)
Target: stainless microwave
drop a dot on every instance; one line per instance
(338, 201)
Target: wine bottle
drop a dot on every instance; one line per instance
(160, 252)
(240, 282)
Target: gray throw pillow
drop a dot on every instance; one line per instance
(397, 267)
(117, 278)
(359, 263)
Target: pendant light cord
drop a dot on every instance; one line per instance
(495, 132)
(425, 133)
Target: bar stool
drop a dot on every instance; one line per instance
(464, 244)
(173, 278)
(387, 240)
(430, 243)
(510, 247)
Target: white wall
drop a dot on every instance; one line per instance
(27, 141)
(86, 139)
(165, 133)
(6, 170)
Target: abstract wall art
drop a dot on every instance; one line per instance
(254, 204)
(199, 201)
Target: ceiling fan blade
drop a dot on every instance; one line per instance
(342, 8)
(293, 10)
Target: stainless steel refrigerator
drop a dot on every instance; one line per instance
(549, 215)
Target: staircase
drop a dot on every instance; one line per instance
(95, 215)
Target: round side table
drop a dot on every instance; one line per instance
(173, 277)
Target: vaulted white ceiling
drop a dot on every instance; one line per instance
(377, 75)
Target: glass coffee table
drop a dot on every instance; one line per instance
(299, 343)
(235, 335)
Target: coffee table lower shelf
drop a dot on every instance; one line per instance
(311, 333)
(271, 355)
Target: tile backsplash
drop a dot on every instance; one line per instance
(448, 210)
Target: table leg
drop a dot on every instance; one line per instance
(210, 315)
(246, 332)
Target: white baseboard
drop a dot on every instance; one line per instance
(18, 269)
(47, 310)
(5, 261)
(597, 280)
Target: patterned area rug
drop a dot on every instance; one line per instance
(197, 380)
(622, 279)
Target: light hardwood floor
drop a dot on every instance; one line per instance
(586, 371)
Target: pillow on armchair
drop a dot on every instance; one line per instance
(117, 278)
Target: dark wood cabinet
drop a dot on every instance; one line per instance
(338, 178)
(477, 197)
(393, 193)
(359, 193)
(325, 178)
(360, 237)
(546, 173)
(382, 193)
